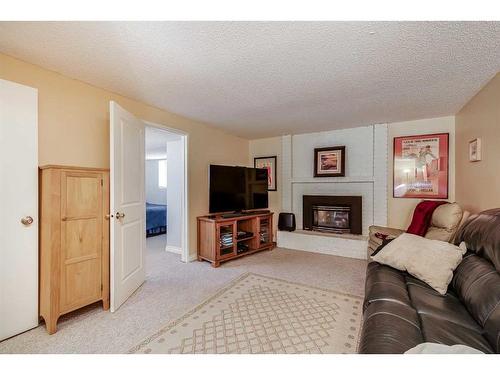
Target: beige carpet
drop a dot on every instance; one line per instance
(259, 314)
(171, 289)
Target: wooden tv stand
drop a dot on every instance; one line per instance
(218, 239)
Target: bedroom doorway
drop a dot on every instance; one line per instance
(165, 190)
(130, 261)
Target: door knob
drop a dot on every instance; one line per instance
(27, 220)
(120, 215)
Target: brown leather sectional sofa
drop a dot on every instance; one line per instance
(401, 311)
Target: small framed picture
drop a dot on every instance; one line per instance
(329, 161)
(269, 163)
(475, 150)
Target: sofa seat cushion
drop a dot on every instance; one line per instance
(445, 332)
(389, 327)
(448, 307)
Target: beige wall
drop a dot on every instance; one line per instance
(478, 183)
(400, 210)
(73, 121)
(270, 147)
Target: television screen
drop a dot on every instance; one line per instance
(237, 188)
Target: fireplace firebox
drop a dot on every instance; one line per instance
(334, 219)
(335, 214)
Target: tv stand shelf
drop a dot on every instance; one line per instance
(218, 236)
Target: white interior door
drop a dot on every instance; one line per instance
(128, 204)
(18, 208)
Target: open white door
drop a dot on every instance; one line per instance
(18, 208)
(128, 205)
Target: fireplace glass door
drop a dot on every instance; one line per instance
(334, 219)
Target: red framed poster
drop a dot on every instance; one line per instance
(421, 166)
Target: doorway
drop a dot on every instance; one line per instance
(128, 229)
(164, 185)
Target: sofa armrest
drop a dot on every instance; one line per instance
(393, 232)
(374, 241)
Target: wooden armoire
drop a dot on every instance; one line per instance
(74, 240)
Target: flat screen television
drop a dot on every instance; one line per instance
(235, 189)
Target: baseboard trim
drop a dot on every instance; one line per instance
(173, 249)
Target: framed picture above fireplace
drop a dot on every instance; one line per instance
(329, 161)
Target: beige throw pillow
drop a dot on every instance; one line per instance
(431, 261)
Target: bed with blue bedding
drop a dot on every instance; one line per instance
(156, 219)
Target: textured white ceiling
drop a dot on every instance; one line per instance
(258, 79)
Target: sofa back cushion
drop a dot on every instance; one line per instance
(481, 233)
(445, 222)
(477, 279)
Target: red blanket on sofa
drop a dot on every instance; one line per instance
(422, 217)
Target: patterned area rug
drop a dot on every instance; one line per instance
(260, 314)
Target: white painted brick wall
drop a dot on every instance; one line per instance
(366, 170)
(286, 173)
(359, 150)
(380, 174)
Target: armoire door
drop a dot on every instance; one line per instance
(18, 208)
(81, 238)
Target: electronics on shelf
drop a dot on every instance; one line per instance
(223, 238)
